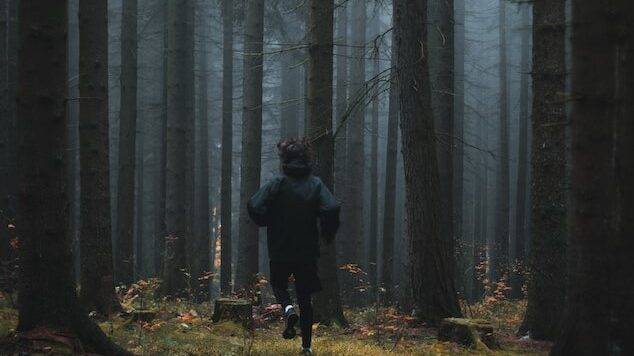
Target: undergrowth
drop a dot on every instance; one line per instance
(185, 328)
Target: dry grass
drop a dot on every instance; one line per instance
(178, 331)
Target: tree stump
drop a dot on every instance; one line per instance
(237, 310)
(474, 333)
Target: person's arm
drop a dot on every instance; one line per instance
(259, 206)
(328, 213)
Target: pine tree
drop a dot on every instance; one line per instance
(548, 166)
(373, 233)
(227, 146)
(247, 266)
(180, 120)
(355, 159)
(599, 301)
(47, 290)
(517, 278)
(319, 130)
(97, 282)
(431, 258)
(202, 233)
(127, 144)
(500, 248)
(389, 209)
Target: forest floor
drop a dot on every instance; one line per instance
(185, 328)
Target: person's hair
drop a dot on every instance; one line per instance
(291, 149)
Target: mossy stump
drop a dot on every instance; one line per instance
(474, 333)
(237, 310)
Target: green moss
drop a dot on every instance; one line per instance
(165, 336)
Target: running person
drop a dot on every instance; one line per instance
(296, 207)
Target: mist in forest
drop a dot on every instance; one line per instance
(371, 177)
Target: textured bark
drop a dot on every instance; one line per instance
(389, 208)
(74, 190)
(247, 266)
(202, 233)
(432, 260)
(458, 121)
(548, 165)
(188, 82)
(477, 244)
(484, 212)
(227, 146)
(97, 283)
(327, 302)
(479, 213)
(127, 144)
(5, 132)
(8, 176)
(601, 46)
(500, 248)
(139, 249)
(352, 251)
(179, 120)
(444, 88)
(373, 235)
(517, 277)
(622, 287)
(47, 290)
(160, 232)
(341, 105)
(289, 87)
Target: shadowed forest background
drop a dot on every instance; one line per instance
(482, 152)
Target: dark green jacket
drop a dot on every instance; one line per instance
(295, 207)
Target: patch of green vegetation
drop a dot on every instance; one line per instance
(8, 321)
(184, 328)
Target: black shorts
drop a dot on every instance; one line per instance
(304, 273)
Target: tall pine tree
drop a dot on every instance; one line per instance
(431, 258)
(47, 289)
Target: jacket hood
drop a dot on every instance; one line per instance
(296, 168)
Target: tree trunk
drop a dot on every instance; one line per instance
(601, 46)
(445, 89)
(484, 232)
(127, 137)
(179, 119)
(160, 234)
(188, 82)
(432, 260)
(623, 248)
(47, 290)
(8, 160)
(227, 146)
(478, 245)
(327, 302)
(353, 211)
(481, 181)
(289, 87)
(247, 266)
(202, 235)
(97, 283)
(459, 137)
(517, 278)
(548, 166)
(139, 250)
(500, 248)
(341, 105)
(5, 134)
(389, 209)
(374, 177)
(74, 191)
